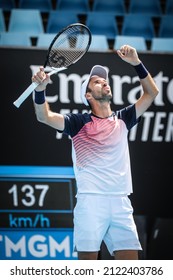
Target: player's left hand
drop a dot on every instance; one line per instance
(129, 54)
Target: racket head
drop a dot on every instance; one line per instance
(68, 46)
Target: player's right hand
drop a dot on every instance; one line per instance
(41, 78)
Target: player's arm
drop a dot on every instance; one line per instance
(150, 90)
(42, 109)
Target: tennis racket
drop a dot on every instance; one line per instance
(67, 47)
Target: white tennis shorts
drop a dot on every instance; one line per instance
(104, 217)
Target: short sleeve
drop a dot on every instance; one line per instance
(128, 115)
(74, 123)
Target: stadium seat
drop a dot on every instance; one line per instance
(117, 7)
(138, 25)
(147, 7)
(77, 6)
(41, 5)
(28, 21)
(101, 23)
(99, 43)
(166, 26)
(2, 22)
(15, 39)
(7, 5)
(58, 20)
(169, 7)
(160, 245)
(44, 39)
(162, 44)
(138, 43)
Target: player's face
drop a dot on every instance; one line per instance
(100, 89)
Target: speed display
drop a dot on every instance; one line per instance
(40, 200)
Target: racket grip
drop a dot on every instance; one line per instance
(25, 94)
(30, 89)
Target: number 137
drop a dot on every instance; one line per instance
(29, 195)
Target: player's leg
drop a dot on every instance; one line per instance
(87, 255)
(126, 255)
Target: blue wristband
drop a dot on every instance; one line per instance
(141, 71)
(39, 97)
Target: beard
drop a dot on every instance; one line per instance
(102, 97)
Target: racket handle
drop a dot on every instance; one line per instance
(25, 94)
(30, 89)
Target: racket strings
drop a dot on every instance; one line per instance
(69, 47)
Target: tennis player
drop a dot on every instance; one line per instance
(101, 160)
